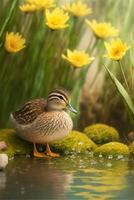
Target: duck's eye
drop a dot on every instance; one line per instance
(61, 97)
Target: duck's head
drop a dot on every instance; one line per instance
(58, 99)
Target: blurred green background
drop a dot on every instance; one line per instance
(38, 68)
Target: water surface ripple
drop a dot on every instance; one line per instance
(72, 177)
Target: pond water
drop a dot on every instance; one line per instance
(67, 178)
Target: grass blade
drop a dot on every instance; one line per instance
(125, 96)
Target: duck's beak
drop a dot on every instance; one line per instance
(71, 108)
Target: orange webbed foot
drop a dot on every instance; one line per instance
(50, 153)
(37, 154)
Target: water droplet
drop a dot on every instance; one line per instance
(66, 152)
(93, 162)
(120, 157)
(22, 190)
(72, 156)
(100, 156)
(110, 157)
(90, 153)
(80, 143)
(109, 164)
(17, 150)
(11, 158)
(28, 156)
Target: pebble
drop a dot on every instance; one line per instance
(3, 161)
(2, 145)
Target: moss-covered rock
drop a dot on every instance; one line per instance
(131, 148)
(74, 142)
(101, 133)
(114, 149)
(15, 145)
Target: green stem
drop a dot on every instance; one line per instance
(91, 47)
(131, 73)
(94, 45)
(123, 74)
(8, 18)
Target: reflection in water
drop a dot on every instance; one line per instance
(2, 180)
(67, 178)
(102, 184)
(35, 179)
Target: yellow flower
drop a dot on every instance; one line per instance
(78, 9)
(102, 30)
(116, 49)
(33, 5)
(14, 42)
(78, 58)
(28, 8)
(56, 19)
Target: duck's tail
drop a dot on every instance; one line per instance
(12, 118)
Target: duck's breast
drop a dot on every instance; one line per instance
(47, 127)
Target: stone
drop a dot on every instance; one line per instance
(3, 161)
(3, 145)
(15, 145)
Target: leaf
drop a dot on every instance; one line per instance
(125, 96)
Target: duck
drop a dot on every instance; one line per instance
(43, 121)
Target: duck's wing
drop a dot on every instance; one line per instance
(30, 111)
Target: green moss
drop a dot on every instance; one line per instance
(131, 148)
(101, 133)
(15, 145)
(74, 142)
(113, 149)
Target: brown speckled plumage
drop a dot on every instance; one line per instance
(30, 111)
